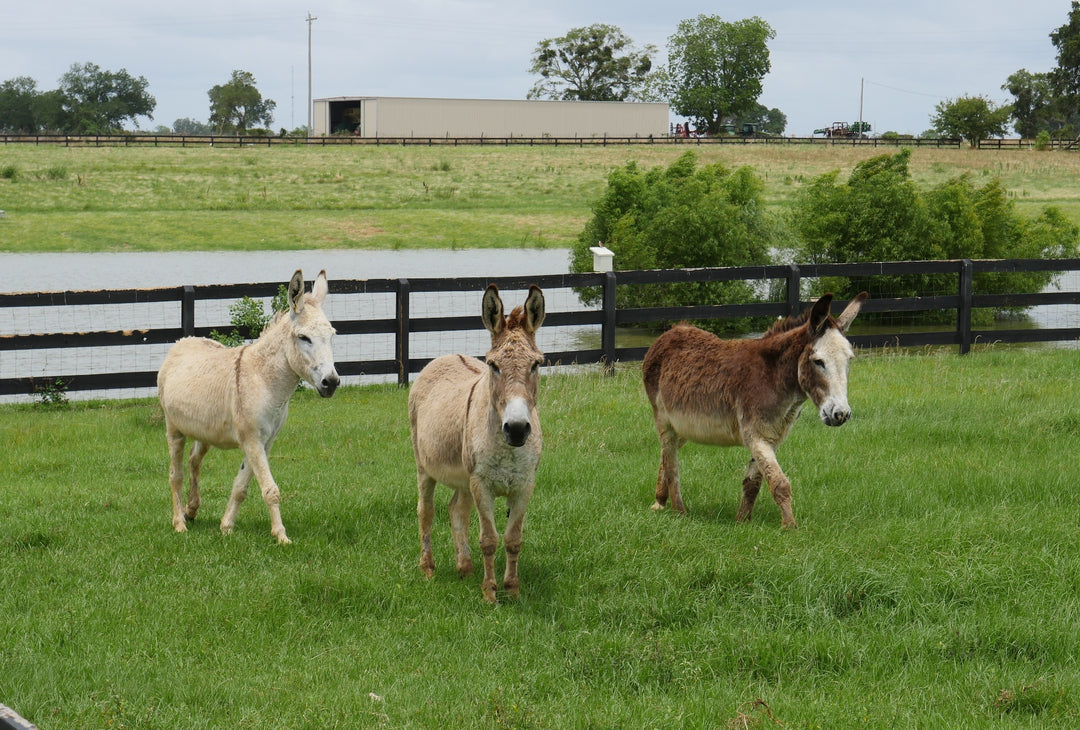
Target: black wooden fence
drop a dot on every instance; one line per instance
(963, 299)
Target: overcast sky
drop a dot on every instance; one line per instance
(905, 57)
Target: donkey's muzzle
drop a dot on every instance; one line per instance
(517, 434)
(835, 415)
(328, 385)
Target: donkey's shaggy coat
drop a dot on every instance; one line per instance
(749, 392)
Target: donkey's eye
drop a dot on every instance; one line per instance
(494, 367)
(819, 363)
(304, 338)
(536, 367)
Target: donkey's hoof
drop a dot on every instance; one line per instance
(657, 507)
(180, 526)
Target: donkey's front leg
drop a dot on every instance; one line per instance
(489, 536)
(517, 502)
(765, 457)
(256, 458)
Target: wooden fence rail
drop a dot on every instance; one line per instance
(225, 140)
(402, 326)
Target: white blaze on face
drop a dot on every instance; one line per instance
(831, 356)
(516, 424)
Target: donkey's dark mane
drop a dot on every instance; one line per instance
(788, 323)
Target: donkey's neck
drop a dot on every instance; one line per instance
(268, 355)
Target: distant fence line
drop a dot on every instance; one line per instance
(964, 300)
(211, 140)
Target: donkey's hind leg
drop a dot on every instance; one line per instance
(751, 485)
(425, 515)
(176, 476)
(198, 452)
(667, 480)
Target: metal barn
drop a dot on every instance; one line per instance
(392, 116)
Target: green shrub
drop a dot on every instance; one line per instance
(249, 318)
(1042, 141)
(681, 216)
(879, 215)
(9, 172)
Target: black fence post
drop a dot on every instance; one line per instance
(607, 332)
(187, 311)
(963, 312)
(401, 343)
(794, 293)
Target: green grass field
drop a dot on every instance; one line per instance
(934, 580)
(283, 198)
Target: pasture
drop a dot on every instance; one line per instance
(934, 580)
(285, 198)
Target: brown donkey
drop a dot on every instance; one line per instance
(730, 392)
(476, 430)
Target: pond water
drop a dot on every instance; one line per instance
(73, 272)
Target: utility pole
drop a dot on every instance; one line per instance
(310, 20)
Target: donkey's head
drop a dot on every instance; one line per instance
(823, 365)
(309, 352)
(514, 361)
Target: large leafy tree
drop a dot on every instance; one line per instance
(596, 63)
(96, 101)
(971, 117)
(237, 106)
(716, 68)
(1033, 108)
(18, 98)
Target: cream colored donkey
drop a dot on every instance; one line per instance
(476, 430)
(238, 397)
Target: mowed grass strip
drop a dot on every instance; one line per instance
(170, 198)
(934, 580)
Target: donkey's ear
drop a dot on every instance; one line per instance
(819, 315)
(491, 310)
(296, 292)
(320, 289)
(844, 319)
(534, 309)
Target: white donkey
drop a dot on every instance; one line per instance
(238, 397)
(476, 430)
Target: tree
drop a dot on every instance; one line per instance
(237, 106)
(770, 121)
(1065, 78)
(681, 216)
(17, 102)
(95, 101)
(596, 63)
(715, 68)
(970, 117)
(1033, 108)
(187, 125)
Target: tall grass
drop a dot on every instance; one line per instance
(934, 580)
(156, 199)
